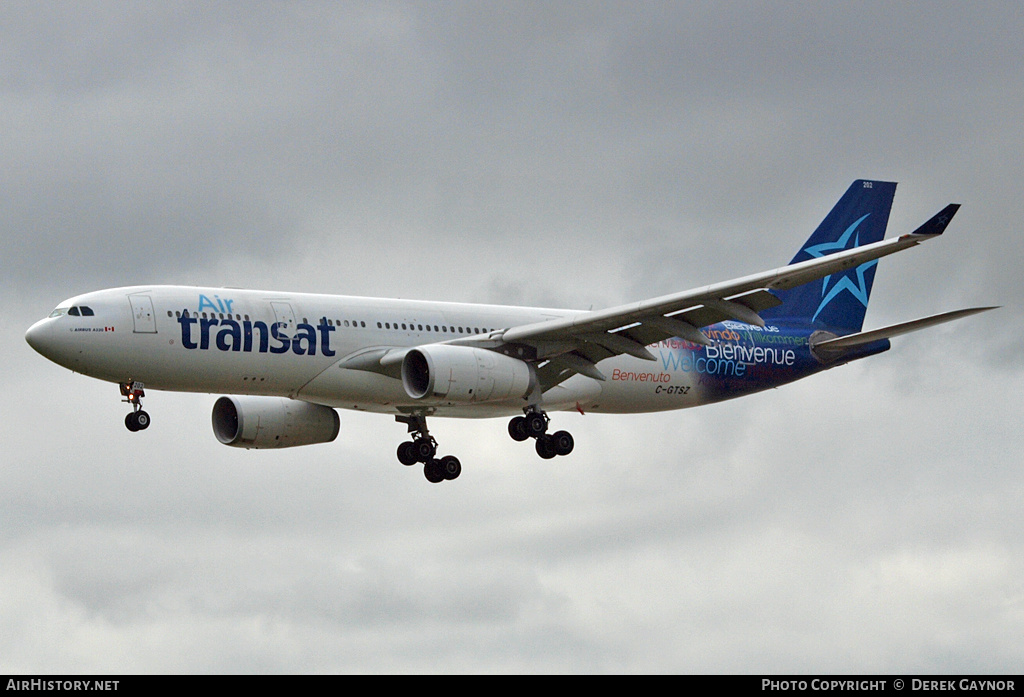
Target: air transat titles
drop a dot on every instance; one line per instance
(233, 335)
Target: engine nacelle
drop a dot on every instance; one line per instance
(442, 372)
(273, 422)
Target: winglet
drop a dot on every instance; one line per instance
(938, 222)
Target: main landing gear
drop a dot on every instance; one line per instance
(137, 420)
(534, 424)
(422, 448)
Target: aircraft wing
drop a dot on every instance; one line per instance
(576, 344)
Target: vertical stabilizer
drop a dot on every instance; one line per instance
(838, 301)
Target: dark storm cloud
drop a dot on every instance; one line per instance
(170, 138)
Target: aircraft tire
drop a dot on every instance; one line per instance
(535, 424)
(545, 448)
(425, 450)
(450, 467)
(432, 471)
(517, 428)
(407, 453)
(141, 420)
(562, 442)
(129, 422)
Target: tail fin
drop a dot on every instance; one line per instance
(838, 302)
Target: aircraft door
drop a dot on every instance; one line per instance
(142, 314)
(285, 316)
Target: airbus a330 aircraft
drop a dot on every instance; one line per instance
(290, 359)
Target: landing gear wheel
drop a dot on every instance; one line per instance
(450, 467)
(517, 428)
(136, 421)
(545, 447)
(562, 442)
(407, 453)
(425, 449)
(432, 471)
(535, 424)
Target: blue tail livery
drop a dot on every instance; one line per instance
(839, 301)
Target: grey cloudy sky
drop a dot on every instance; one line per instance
(567, 154)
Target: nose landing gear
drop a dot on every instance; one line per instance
(137, 419)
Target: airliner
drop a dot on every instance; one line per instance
(286, 361)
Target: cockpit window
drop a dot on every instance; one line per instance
(76, 311)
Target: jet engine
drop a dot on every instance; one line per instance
(273, 422)
(463, 374)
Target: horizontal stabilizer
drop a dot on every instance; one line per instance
(861, 338)
(936, 225)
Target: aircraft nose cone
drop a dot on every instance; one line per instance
(38, 337)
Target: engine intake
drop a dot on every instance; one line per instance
(442, 372)
(273, 422)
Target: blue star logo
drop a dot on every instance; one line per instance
(858, 288)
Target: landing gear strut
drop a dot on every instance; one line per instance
(137, 419)
(534, 424)
(422, 448)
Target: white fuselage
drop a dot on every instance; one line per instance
(251, 342)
